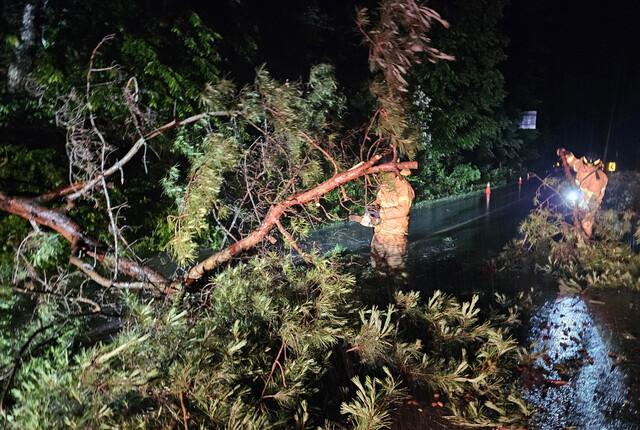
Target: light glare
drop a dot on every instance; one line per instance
(572, 196)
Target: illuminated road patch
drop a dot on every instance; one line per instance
(575, 381)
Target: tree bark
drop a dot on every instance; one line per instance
(33, 211)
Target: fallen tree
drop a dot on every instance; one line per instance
(255, 346)
(255, 157)
(32, 210)
(276, 212)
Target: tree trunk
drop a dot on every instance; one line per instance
(25, 50)
(61, 223)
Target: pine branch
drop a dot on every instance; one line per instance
(278, 210)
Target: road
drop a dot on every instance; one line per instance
(446, 237)
(588, 373)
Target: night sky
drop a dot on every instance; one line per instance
(582, 58)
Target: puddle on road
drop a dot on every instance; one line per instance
(577, 381)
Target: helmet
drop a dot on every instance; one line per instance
(592, 159)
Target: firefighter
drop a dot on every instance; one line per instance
(592, 182)
(389, 215)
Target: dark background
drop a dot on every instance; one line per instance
(575, 62)
(580, 63)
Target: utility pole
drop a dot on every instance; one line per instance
(613, 110)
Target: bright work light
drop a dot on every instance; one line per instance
(572, 196)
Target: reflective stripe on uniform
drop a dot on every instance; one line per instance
(393, 230)
(570, 158)
(394, 204)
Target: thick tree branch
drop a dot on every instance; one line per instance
(277, 211)
(33, 211)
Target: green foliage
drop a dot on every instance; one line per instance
(458, 353)
(462, 179)
(220, 154)
(44, 340)
(457, 104)
(52, 251)
(605, 261)
(171, 56)
(375, 337)
(38, 252)
(276, 132)
(292, 111)
(463, 93)
(46, 382)
(216, 359)
(30, 172)
(371, 408)
(12, 230)
(8, 302)
(255, 349)
(396, 43)
(17, 109)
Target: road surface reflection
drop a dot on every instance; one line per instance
(575, 381)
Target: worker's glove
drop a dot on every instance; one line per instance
(365, 220)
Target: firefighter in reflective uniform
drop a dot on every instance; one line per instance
(592, 182)
(391, 222)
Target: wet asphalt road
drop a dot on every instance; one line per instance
(587, 375)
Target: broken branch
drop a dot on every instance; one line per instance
(33, 211)
(278, 210)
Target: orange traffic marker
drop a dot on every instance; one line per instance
(520, 180)
(487, 190)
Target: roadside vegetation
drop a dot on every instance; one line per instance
(150, 200)
(553, 245)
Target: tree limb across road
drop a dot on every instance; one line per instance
(278, 210)
(33, 210)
